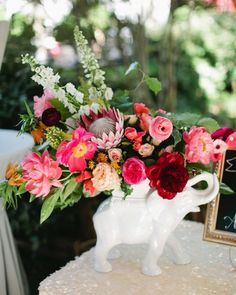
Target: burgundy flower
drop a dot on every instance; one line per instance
(168, 175)
(51, 117)
(222, 133)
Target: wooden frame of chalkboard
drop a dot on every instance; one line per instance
(220, 224)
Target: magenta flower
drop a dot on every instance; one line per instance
(41, 173)
(199, 145)
(42, 103)
(134, 170)
(222, 133)
(160, 128)
(74, 153)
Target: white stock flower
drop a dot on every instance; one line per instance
(95, 107)
(108, 93)
(70, 88)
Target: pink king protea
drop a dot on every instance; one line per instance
(107, 125)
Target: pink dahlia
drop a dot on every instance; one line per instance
(41, 173)
(75, 152)
(107, 127)
(199, 145)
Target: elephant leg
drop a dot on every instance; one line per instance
(101, 251)
(114, 254)
(179, 255)
(155, 249)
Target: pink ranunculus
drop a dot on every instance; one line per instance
(41, 173)
(199, 145)
(115, 154)
(140, 108)
(231, 140)
(75, 152)
(42, 103)
(219, 148)
(160, 128)
(130, 133)
(146, 150)
(133, 170)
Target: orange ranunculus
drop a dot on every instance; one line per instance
(13, 177)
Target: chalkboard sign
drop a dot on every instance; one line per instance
(220, 225)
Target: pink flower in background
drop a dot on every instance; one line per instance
(42, 103)
(41, 173)
(160, 128)
(133, 170)
(199, 145)
(231, 140)
(74, 153)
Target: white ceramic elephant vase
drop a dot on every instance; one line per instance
(145, 217)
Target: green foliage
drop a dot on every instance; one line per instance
(225, 189)
(153, 83)
(210, 124)
(126, 188)
(184, 120)
(122, 101)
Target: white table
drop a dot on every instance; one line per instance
(209, 273)
(12, 148)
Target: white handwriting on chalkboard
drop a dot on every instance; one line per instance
(232, 165)
(232, 221)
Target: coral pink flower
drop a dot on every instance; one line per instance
(75, 152)
(42, 103)
(145, 121)
(231, 140)
(199, 145)
(133, 170)
(140, 108)
(160, 128)
(131, 133)
(41, 173)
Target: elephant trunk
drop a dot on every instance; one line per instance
(203, 196)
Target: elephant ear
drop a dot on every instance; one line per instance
(156, 205)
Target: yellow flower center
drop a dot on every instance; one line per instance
(80, 150)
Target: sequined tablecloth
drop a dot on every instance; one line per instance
(209, 273)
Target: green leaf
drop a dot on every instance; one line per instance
(184, 120)
(177, 136)
(135, 66)
(225, 189)
(69, 189)
(21, 190)
(149, 162)
(60, 108)
(210, 124)
(123, 103)
(153, 84)
(48, 206)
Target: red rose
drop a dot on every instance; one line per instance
(168, 175)
(133, 171)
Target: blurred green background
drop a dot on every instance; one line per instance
(189, 45)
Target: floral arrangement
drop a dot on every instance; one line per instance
(89, 142)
